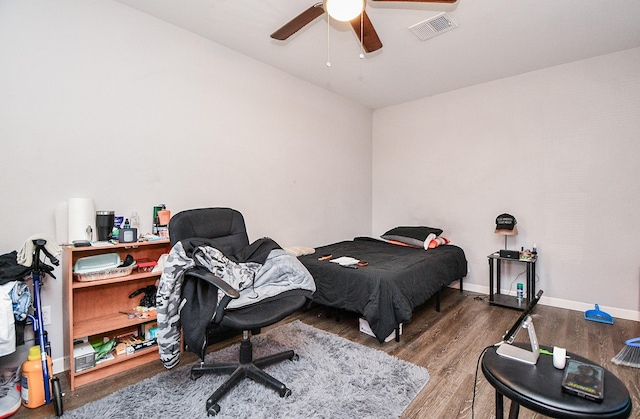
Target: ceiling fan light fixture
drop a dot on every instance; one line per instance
(344, 10)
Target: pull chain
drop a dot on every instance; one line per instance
(328, 27)
(362, 34)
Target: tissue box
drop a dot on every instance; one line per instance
(84, 356)
(365, 328)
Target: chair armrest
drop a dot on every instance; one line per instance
(216, 281)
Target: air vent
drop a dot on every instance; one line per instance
(434, 26)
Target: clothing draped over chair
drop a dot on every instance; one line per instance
(259, 270)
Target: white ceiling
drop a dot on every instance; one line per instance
(494, 39)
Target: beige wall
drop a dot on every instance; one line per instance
(184, 121)
(557, 148)
(98, 100)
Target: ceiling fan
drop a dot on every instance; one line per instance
(363, 28)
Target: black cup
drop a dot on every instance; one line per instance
(104, 224)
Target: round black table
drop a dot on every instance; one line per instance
(538, 388)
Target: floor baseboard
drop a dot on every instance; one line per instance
(561, 303)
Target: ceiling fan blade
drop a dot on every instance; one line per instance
(422, 1)
(370, 40)
(298, 22)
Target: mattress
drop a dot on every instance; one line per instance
(396, 280)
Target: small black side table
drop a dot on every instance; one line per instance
(497, 299)
(538, 388)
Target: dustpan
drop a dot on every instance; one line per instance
(598, 315)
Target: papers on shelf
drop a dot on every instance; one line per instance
(101, 244)
(345, 260)
(107, 357)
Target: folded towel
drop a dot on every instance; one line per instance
(300, 250)
(25, 255)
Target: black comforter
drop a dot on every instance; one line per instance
(396, 280)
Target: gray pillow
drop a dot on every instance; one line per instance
(414, 236)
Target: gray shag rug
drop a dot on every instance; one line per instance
(334, 378)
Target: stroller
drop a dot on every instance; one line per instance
(39, 269)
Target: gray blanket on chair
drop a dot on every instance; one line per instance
(280, 272)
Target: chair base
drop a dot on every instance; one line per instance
(246, 368)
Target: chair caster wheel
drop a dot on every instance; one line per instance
(285, 393)
(213, 410)
(295, 357)
(195, 375)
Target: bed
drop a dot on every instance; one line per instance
(396, 280)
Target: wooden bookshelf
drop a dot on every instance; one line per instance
(94, 308)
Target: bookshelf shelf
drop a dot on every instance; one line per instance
(95, 308)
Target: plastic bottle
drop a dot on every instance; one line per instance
(135, 220)
(156, 221)
(520, 289)
(32, 380)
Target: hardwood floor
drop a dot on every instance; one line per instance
(447, 344)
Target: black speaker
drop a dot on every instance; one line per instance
(128, 235)
(510, 254)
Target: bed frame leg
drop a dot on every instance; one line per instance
(398, 333)
(331, 312)
(438, 301)
(461, 280)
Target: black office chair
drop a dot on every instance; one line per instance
(225, 230)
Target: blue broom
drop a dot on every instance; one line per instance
(598, 315)
(629, 355)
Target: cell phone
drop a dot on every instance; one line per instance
(584, 380)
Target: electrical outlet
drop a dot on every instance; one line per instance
(46, 315)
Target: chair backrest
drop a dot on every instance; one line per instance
(224, 226)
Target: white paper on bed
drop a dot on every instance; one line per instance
(345, 261)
